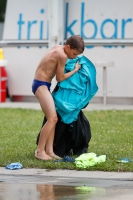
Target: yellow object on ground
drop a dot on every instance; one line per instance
(89, 159)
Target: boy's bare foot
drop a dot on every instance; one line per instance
(54, 156)
(42, 155)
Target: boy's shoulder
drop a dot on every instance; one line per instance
(60, 51)
(57, 47)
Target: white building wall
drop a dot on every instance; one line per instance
(97, 19)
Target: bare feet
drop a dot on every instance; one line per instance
(54, 156)
(42, 155)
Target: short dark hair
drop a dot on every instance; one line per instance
(76, 42)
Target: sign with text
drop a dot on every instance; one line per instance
(97, 19)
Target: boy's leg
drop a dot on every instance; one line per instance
(49, 145)
(48, 107)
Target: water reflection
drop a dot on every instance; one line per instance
(40, 188)
(32, 191)
(45, 192)
(54, 192)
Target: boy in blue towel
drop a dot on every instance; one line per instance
(52, 64)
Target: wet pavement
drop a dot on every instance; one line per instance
(43, 184)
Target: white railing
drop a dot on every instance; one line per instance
(15, 43)
(109, 42)
(88, 42)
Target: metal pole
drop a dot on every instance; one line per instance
(16, 43)
(59, 33)
(104, 85)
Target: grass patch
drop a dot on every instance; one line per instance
(112, 135)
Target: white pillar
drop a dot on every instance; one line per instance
(56, 22)
(56, 26)
(61, 22)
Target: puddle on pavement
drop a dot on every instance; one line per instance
(15, 189)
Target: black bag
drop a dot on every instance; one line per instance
(71, 139)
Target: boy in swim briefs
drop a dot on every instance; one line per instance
(52, 64)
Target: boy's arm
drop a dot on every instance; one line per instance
(60, 76)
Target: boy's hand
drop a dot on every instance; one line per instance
(77, 67)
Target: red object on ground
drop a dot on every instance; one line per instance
(3, 81)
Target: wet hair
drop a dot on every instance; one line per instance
(76, 42)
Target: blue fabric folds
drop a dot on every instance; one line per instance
(66, 159)
(75, 92)
(16, 165)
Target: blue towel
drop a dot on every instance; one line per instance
(75, 92)
(124, 160)
(66, 159)
(12, 166)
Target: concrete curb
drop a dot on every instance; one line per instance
(67, 173)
